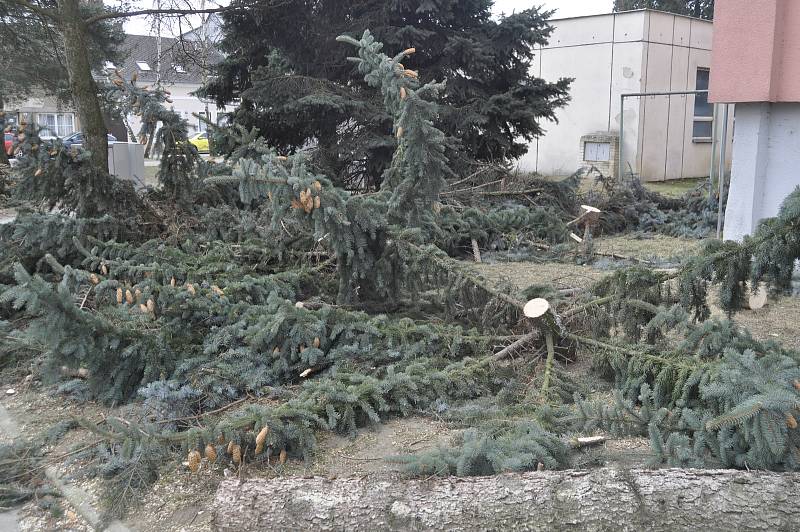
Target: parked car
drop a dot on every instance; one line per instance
(76, 140)
(8, 143)
(200, 141)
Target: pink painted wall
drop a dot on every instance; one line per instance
(756, 51)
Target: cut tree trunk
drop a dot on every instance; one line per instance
(81, 82)
(602, 499)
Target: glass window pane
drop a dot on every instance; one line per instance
(703, 75)
(702, 107)
(702, 129)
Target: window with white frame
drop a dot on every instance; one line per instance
(56, 124)
(703, 110)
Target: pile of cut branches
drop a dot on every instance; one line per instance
(300, 307)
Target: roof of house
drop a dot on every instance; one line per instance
(213, 30)
(181, 60)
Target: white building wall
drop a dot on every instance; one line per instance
(766, 159)
(609, 55)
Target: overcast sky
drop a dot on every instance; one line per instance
(564, 8)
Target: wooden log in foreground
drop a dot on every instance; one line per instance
(601, 499)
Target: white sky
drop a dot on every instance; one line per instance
(564, 8)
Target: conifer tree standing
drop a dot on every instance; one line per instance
(302, 91)
(74, 21)
(693, 8)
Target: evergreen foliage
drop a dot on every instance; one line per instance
(46, 172)
(490, 450)
(297, 307)
(767, 256)
(300, 90)
(693, 8)
(179, 159)
(34, 62)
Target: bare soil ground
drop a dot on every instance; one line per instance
(180, 501)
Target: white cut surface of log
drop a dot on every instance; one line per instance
(536, 308)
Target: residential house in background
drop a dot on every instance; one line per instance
(665, 137)
(57, 118)
(178, 68)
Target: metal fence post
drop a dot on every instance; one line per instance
(714, 132)
(723, 152)
(621, 136)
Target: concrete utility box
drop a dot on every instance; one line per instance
(126, 161)
(600, 150)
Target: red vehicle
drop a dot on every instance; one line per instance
(8, 143)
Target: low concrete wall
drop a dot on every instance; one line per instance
(766, 164)
(126, 161)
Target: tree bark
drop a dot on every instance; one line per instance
(82, 85)
(601, 499)
(3, 118)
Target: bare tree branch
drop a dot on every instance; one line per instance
(176, 12)
(30, 6)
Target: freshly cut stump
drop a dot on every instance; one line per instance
(601, 499)
(758, 299)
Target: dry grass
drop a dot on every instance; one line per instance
(674, 188)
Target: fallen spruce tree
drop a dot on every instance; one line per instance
(246, 325)
(602, 499)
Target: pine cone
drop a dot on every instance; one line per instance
(283, 456)
(120, 296)
(194, 460)
(262, 436)
(129, 297)
(237, 454)
(211, 453)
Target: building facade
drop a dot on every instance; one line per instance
(756, 65)
(665, 137)
(178, 66)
